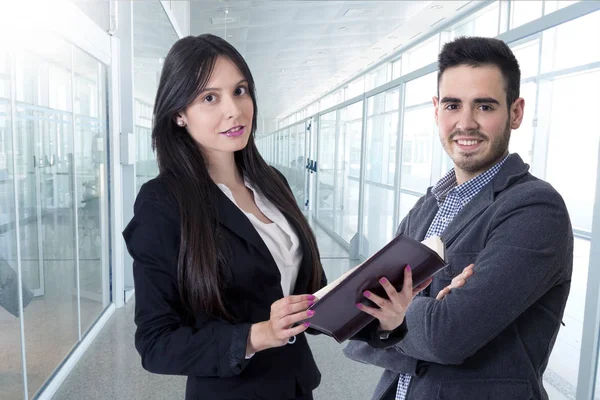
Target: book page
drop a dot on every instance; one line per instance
(323, 291)
(433, 242)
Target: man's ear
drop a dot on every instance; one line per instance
(517, 111)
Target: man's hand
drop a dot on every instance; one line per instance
(458, 281)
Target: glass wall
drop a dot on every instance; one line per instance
(153, 36)
(558, 85)
(54, 153)
(380, 170)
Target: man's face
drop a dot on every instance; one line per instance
(474, 119)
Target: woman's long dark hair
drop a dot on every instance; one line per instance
(181, 162)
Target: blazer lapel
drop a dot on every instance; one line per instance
(237, 222)
(473, 209)
(513, 169)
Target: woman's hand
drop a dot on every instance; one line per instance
(278, 329)
(458, 281)
(391, 311)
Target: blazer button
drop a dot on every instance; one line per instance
(448, 271)
(292, 340)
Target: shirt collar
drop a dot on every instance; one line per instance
(467, 190)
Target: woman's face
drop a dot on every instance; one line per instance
(220, 118)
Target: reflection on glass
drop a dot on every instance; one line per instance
(11, 385)
(326, 168)
(90, 167)
(44, 139)
(347, 171)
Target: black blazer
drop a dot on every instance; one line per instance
(210, 351)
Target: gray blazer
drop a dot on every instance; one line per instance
(492, 338)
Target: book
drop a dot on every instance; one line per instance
(336, 313)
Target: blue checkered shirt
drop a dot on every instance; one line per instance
(451, 199)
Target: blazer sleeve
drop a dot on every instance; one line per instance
(167, 341)
(517, 266)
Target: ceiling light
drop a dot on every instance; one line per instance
(392, 37)
(415, 36)
(343, 28)
(377, 48)
(356, 12)
(437, 6)
(224, 20)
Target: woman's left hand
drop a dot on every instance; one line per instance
(391, 311)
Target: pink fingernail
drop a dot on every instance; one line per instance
(310, 313)
(408, 267)
(367, 293)
(383, 280)
(311, 297)
(310, 304)
(358, 305)
(307, 324)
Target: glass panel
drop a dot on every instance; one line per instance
(421, 90)
(528, 55)
(483, 23)
(377, 78)
(11, 377)
(524, 11)
(326, 168)
(378, 220)
(560, 48)
(380, 164)
(348, 171)
(355, 88)
(92, 195)
(552, 5)
(44, 139)
(153, 36)
(419, 132)
(421, 55)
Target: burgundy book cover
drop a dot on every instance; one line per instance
(336, 313)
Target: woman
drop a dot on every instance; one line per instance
(223, 257)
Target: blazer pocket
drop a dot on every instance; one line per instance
(489, 389)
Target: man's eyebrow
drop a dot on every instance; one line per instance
(450, 100)
(486, 100)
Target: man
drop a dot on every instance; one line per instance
(492, 337)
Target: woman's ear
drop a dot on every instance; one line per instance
(179, 119)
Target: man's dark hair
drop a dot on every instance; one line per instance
(481, 51)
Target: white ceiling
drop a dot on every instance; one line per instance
(298, 50)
